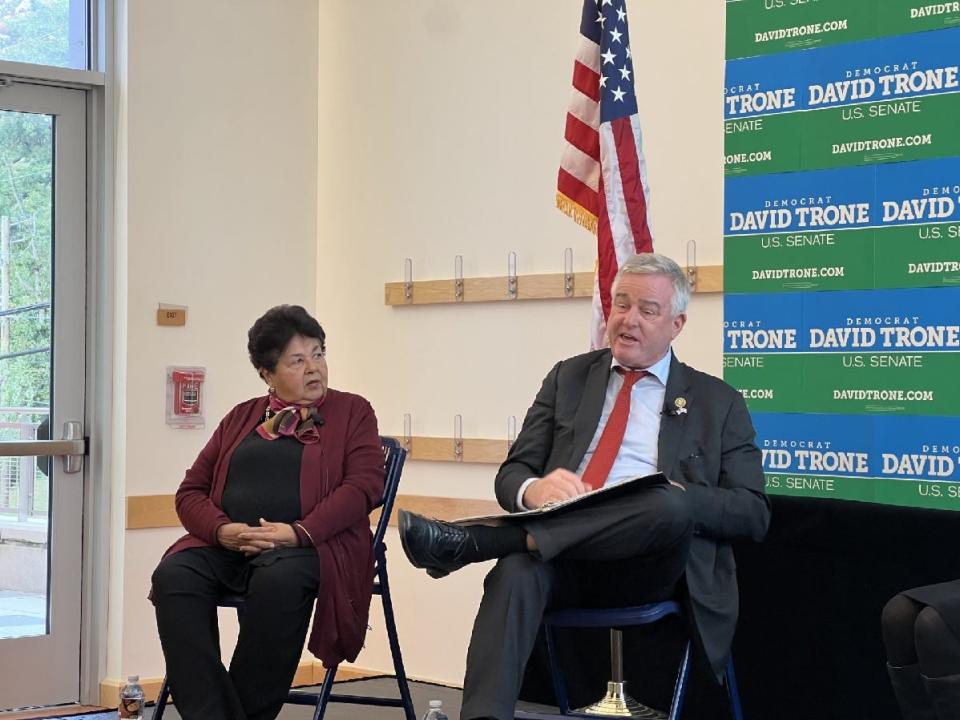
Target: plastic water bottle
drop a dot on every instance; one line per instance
(131, 699)
(436, 711)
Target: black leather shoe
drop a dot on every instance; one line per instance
(434, 545)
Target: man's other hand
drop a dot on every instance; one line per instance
(557, 485)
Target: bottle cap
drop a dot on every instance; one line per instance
(133, 678)
(436, 703)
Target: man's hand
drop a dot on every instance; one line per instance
(557, 485)
(249, 540)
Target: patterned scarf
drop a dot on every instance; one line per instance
(300, 421)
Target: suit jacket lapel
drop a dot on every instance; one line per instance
(591, 406)
(671, 423)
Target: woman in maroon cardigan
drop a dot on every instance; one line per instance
(275, 508)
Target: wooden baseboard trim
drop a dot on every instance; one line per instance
(156, 511)
(309, 672)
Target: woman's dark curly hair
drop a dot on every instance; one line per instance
(272, 331)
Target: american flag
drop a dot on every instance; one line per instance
(602, 182)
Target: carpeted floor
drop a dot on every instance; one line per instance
(422, 694)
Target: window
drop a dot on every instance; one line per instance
(44, 32)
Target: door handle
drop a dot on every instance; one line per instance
(71, 448)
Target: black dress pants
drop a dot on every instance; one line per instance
(626, 551)
(279, 588)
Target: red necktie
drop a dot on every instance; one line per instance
(612, 436)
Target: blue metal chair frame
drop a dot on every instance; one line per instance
(394, 457)
(615, 618)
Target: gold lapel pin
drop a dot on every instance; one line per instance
(681, 405)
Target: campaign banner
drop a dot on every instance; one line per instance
(917, 256)
(922, 320)
(904, 256)
(906, 16)
(881, 132)
(761, 27)
(894, 383)
(904, 492)
(762, 323)
(822, 200)
(892, 68)
(842, 244)
(918, 448)
(925, 191)
(802, 261)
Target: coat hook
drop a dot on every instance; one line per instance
(692, 264)
(407, 431)
(568, 272)
(408, 280)
(458, 278)
(458, 438)
(512, 275)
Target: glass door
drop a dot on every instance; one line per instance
(42, 376)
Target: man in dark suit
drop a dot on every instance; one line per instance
(600, 418)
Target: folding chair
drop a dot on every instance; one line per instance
(394, 457)
(616, 618)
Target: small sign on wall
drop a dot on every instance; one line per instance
(185, 397)
(171, 315)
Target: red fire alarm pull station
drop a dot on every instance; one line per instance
(185, 397)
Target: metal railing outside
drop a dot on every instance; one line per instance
(24, 485)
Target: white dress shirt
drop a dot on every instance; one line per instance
(638, 453)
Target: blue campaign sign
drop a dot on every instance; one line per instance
(800, 201)
(906, 320)
(887, 68)
(922, 448)
(908, 193)
(809, 444)
(926, 191)
(762, 323)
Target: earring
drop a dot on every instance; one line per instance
(272, 390)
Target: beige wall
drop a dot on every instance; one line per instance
(219, 103)
(438, 133)
(443, 138)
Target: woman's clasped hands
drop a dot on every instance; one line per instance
(253, 540)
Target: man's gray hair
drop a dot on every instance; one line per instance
(657, 264)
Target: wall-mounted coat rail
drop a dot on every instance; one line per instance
(444, 449)
(510, 287)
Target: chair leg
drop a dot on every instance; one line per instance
(735, 710)
(162, 699)
(391, 626)
(325, 690)
(556, 674)
(680, 687)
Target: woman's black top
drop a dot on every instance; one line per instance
(263, 481)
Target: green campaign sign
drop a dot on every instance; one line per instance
(896, 17)
(790, 262)
(917, 256)
(760, 145)
(905, 492)
(868, 383)
(763, 27)
(879, 132)
(902, 256)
